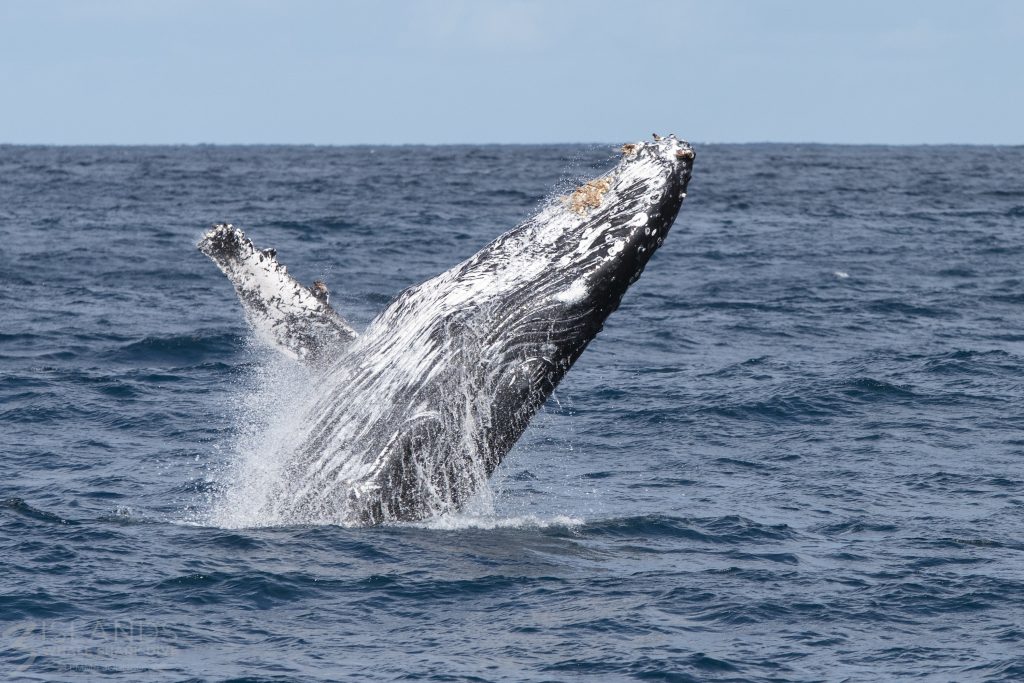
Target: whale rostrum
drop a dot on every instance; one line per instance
(410, 418)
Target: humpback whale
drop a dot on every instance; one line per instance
(412, 416)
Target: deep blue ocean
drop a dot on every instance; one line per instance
(796, 452)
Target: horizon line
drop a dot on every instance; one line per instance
(496, 144)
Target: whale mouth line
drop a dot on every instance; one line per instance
(407, 420)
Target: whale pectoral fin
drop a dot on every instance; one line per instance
(297, 320)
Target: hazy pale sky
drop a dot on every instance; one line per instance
(477, 71)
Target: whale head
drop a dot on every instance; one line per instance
(557, 276)
(547, 286)
(609, 228)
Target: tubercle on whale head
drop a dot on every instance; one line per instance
(673, 154)
(621, 218)
(642, 163)
(667, 149)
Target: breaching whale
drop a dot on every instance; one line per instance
(412, 416)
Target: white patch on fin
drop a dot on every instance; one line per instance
(295, 319)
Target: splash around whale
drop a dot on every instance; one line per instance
(410, 418)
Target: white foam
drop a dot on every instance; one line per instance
(455, 522)
(264, 435)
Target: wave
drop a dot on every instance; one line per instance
(19, 506)
(183, 349)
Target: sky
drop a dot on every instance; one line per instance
(510, 71)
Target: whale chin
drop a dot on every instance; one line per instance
(412, 416)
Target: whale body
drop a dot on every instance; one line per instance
(412, 416)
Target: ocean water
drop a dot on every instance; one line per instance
(796, 453)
